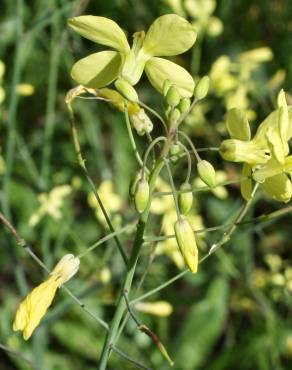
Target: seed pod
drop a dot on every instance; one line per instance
(173, 97)
(187, 243)
(126, 90)
(202, 88)
(207, 173)
(185, 200)
(184, 105)
(141, 196)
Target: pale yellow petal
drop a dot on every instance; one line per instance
(101, 30)
(159, 70)
(97, 70)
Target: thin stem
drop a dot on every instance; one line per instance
(202, 189)
(174, 191)
(226, 236)
(189, 162)
(185, 114)
(128, 358)
(191, 145)
(106, 238)
(150, 147)
(157, 115)
(131, 136)
(81, 162)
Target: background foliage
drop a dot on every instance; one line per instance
(236, 312)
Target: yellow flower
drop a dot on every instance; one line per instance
(50, 204)
(32, 309)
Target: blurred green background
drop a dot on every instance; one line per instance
(236, 313)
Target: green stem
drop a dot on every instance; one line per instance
(189, 162)
(131, 136)
(191, 145)
(174, 191)
(157, 115)
(81, 162)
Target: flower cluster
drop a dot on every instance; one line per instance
(266, 157)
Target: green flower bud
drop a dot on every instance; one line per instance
(253, 152)
(175, 151)
(126, 90)
(207, 173)
(184, 105)
(202, 88)
(185, 200)
(166, 87)
(186, 241)
(133, 184)
(173, 97)
(174, 115)
(141, 195)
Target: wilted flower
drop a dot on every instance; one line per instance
(168, 35)
(32, 309)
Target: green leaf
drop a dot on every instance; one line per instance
(101, 30)
(169, 35)
(97, 70)
(237, 124)
(202, 327)
(159, 70)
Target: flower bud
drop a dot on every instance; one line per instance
(166, 87)
(175, 151)
(174, 115)
(207, 173)
(133, 184)
(187, 243)
(184, 105)
(173, 97)
(126, 90)
(141, 195)
(202, 88)
(185, 200)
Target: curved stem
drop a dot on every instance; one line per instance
(157, 115)
(150, 147)
(191, 145)
(81, 162)
(174, 191)
(131, 136)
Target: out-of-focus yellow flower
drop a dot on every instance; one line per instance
(232, 79)
(111, 200)
(158, 308)
(25, 89)
(32, 309)
(50, 204)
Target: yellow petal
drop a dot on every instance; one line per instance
(278, 187)
(66, 268)
(169, 35)
(237, 124)
(101, 30)
(159, 70)
(34, 307)
(97, 70)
